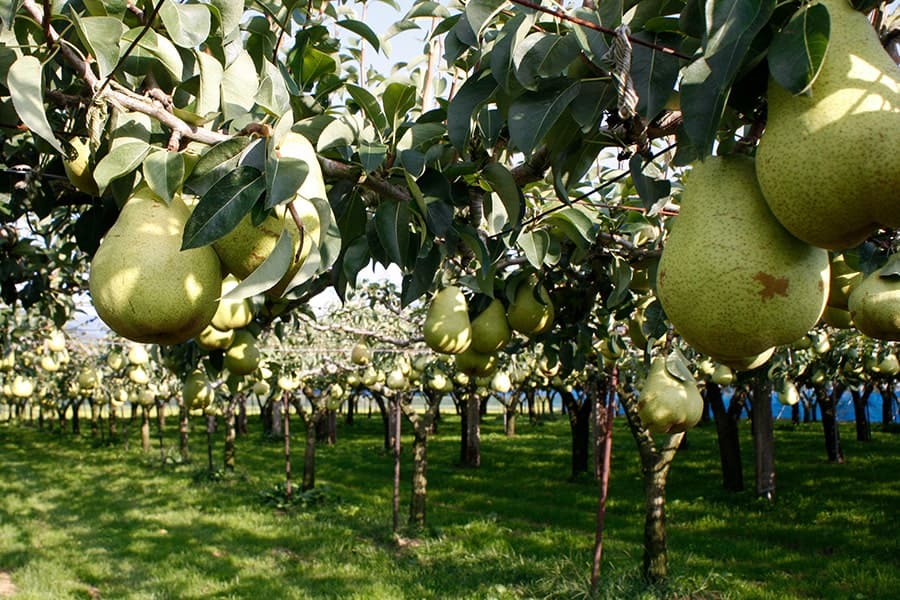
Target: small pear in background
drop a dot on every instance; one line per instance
(732, 281)
(827, 162)
(447, 326)
(669, 404)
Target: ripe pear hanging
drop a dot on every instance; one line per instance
(731, 279)
(667, 404)
(828, 163)
(447, 326)
(143, 285)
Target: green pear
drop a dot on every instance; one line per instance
(532, 311)
(722, 375)
(361, 354)
(231, 314)
(490, 330)
(447, 326)
(748, 363)
(196, 390)
(78, 167)
(666, 403)
(242, 357)
(889, 365)
(143, 285)
(843, 280)
(875, 303)
(212, 338)
(828, 163)
(733, 282)
(476, 364)
(788, 394)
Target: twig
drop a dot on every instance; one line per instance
(402, 342)
(594, 26)
(131, 47)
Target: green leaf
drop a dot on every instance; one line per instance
(284, 175)
(239, 86)
(337, 134)
(273, 95)
(392, 226)
(164, 172)
(533, 114)
(469, 236)
(188, 25)
(473, 93)
(797, 52)
(316, 64)
(729, 23)
(654, 73)
(356, 257)
(650, 190)
(591, 41)
(369, 105)
(891, 270)
(269, 272)
(398, 99)
(371, 155)
(151, 49)
(362, 30)
(230, 13)
(480, 13)
(427, 9)
(101, 36)
(535, 244)
(574, 225)
(123, 160)
(542, 56)
(209, 93)
(216, 163)
(8, 10)
(505, 187)
(419, 282)
(223, 206)
(677, 366)
(24, 81)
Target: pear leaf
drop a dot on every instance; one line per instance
(284, 175)
(392, 226)
(473, 93)
(480, 13)
(187, 24)
(223, 206)
(268, 273)
(164, 171)
(533, 114)
(797, 52)
(101, 35)
(26, 91)
(369, 105)
(535, 244)
(217, 162)
(504, 185)
(127, 157)
(362, 30)
(676, 365)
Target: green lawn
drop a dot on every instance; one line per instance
(79, 519)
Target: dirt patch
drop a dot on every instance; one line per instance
(7, 587)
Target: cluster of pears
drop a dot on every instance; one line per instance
(149, 290)
(226, 331)
(475, 341)
(669, 401)
(828, 163)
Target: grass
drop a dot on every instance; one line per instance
(80, 519)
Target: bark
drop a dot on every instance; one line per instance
(828, 402)
(76, 417)
(113, 421)
(727, 422)
(286, 430)
(184, 422)
(230, 435)
(655, 463)
(95, 419)
(395, 445)
(242, 415)
(529, 398)
(385, 419)
(579, 412)
(145, 429)
(886, 389)
(309, 452)
(210, 429)
(763, 438)
(351, 407)
(861, 413)
(423, 426)
(605, 405)
(160, 428)
(473, 430)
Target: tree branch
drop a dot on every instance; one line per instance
(394, 341)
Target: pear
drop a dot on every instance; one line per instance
(490, 330)
(889, 365)
(212, 338)
(476, 364)
(875, 303)
(828, 163)
(530, 314)
(837, 317)
(78, 167)
(196, 390)
(501, 383)
(231, 314)
(788, 394)
(733, 282)
(722, 375)
(843, 280)
(361, 354)
(143, 286)
(447, 326)
(242, 357)
(667, 404)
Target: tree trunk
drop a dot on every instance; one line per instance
(309, 450)
(113, 418)
(95, 418)
(419, 478)
(604, 413)
(286, 430)
(210, 428)
(861, 413)
(242, 415)
(828, 402)
(230, 435)
(331, 418)
(727, 422)
(395, 445)
(509, 421)
(886, 389)
(351, 407)
(76, 417)
(473, 429)
(763, 438)
(184, 423)
(579, 412)
(145, 429)
(385, 420)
